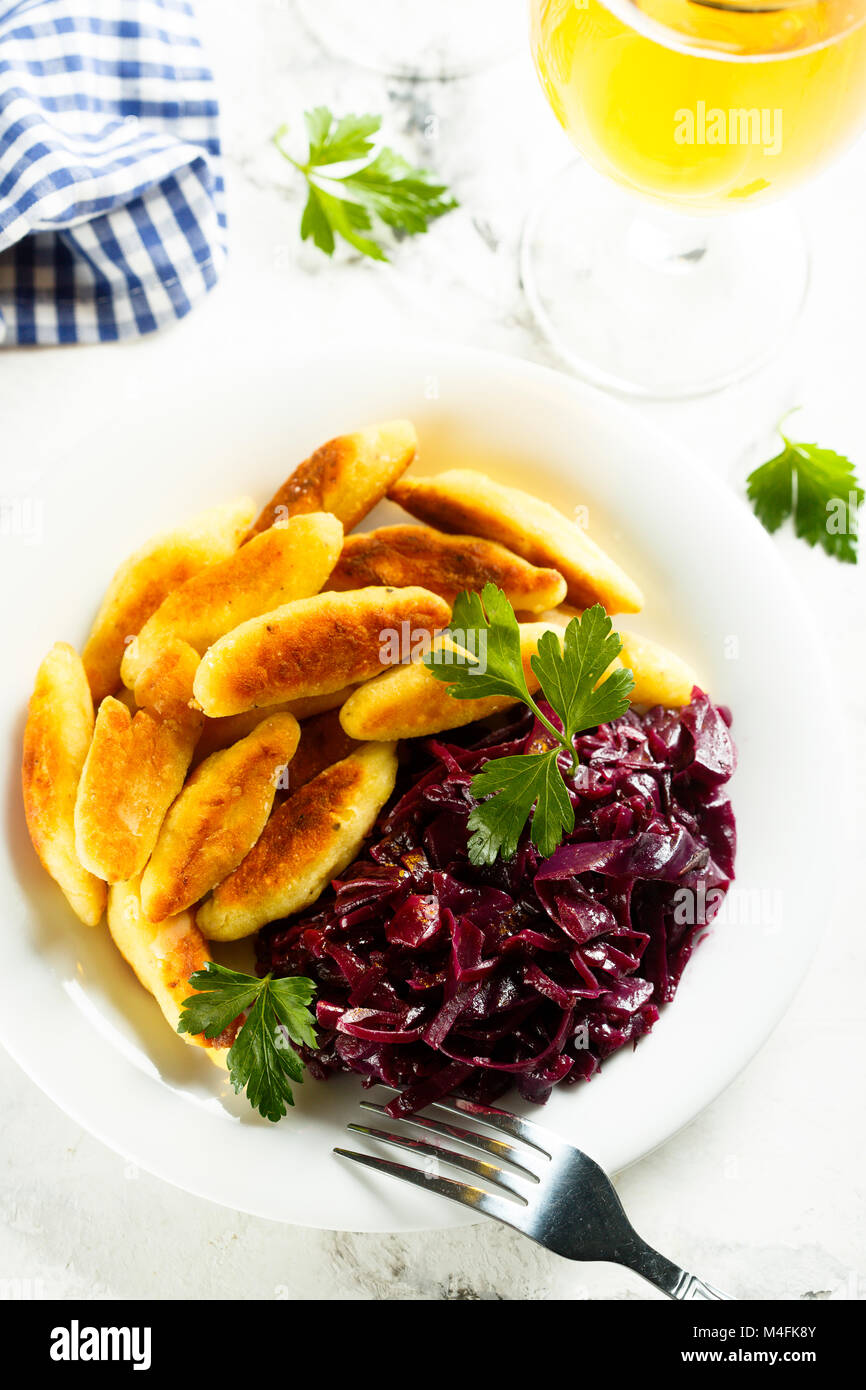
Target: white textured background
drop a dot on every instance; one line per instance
(763, 1193)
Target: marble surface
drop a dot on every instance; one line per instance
(763, 1193)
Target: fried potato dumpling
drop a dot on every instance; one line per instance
(285, 563)
(223, 732)
(409, 702)
(463, 500)
(445, 565)
(314, 645)
(136, 766)
(660, 676)
(346, 476)
(163, 956)
(165, 688)
(56, 739)
(310, 839)
(142, 582)
(217, 818)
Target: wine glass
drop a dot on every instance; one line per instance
(418, 38)
(705, 108)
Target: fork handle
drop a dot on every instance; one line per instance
(665, 1275)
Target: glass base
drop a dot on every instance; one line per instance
(422, 39)
(652, 303)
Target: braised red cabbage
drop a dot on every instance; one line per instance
(435, 976)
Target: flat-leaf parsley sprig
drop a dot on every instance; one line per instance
(382, 186)
(570, 673)
(817, 488)
(262, 1060)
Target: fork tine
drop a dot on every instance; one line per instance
(430, 1148)
(473, 1197)
(515, 1125)
(497, 1147)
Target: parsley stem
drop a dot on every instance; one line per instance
(557, 733)
(276, 141)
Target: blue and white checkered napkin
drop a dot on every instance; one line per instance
(111, 192)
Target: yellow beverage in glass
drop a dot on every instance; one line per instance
(704, 105)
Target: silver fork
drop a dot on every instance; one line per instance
(556, 1195)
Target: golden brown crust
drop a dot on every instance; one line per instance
(217, 818)
(323, 742)
(312, 481)
(280, 565)
(135, 768)
(444, 564)
(142, 582)
(307, 842)
(313, 646)
(466, 501)
(409, 702)
(346, 476)
(164, 955)
(56, 739)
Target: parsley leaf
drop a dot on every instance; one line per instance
(517, 784)
(384, 188)
(484, 658)
(570, 673)
(336, 142)
(488, 661)
(817, 488)
(261, 1060)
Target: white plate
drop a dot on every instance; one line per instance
(71, 1012)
